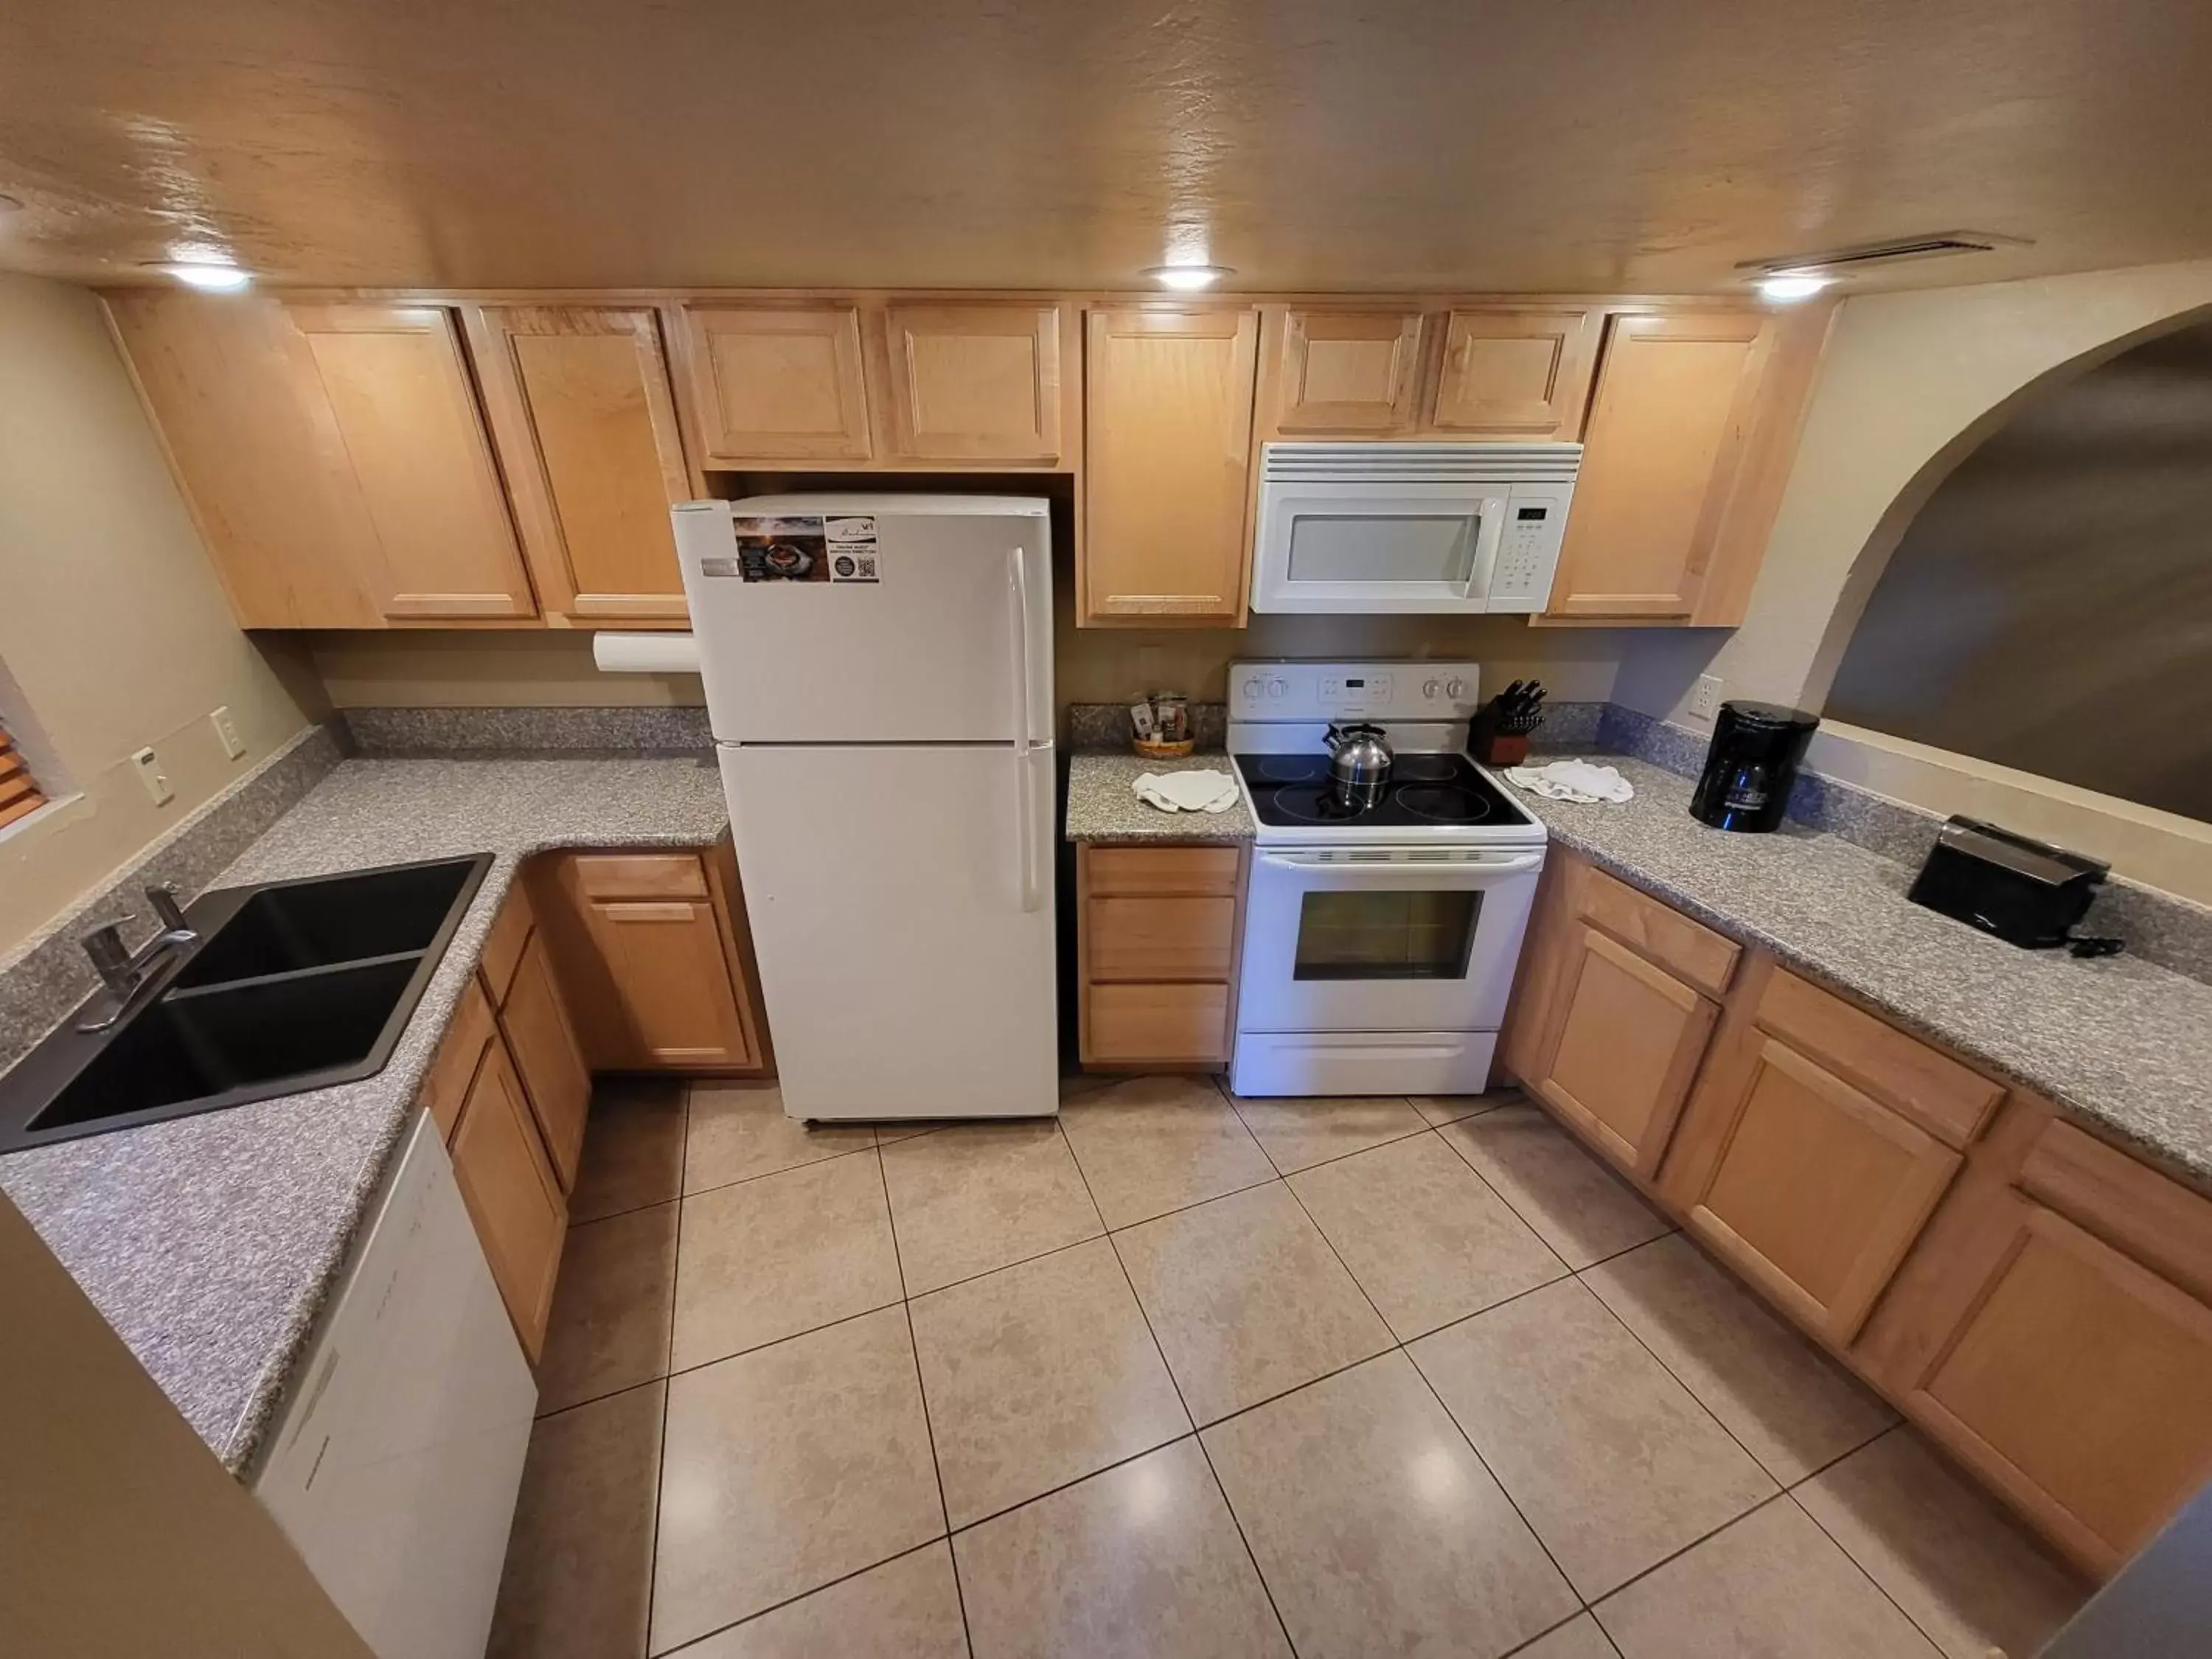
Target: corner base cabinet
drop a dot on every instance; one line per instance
(1158, 930)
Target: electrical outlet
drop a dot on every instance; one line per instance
(151, 775)
(226, 731)
(1705, 699)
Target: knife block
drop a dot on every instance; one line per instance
(1492, 746)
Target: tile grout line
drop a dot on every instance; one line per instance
(1174, 1383)
(1398, 1346)
(922, 1392)
(1904, 1612)
(676, 1262)
(691, 1642)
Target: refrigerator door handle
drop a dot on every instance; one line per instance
(1017, 591)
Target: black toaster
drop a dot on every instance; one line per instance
(2026, 891)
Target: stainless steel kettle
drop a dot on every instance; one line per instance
(1359, 763)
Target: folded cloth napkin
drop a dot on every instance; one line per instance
(1188, 791)
(1571, 779)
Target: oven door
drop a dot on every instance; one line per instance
(1376, 547)
(1384, 938)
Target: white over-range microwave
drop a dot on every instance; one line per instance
(1410, 527)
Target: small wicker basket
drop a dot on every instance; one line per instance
(1154, 749)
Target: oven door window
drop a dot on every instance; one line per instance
(1386, 935)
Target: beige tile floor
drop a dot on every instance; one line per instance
(1180, 1374)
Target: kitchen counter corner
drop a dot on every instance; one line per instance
(1103, 807)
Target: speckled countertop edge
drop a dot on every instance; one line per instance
(2120, 1043)
(212, 1243)
(1101, 806)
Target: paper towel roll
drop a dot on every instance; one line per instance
(646, 654)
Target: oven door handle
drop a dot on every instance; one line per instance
(1423, 871)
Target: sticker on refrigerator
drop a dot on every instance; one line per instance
(852, 549)
(782, 550)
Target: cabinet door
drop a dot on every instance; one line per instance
(1157, 1024)
(777, 383)
(675, 993)
(544, 1043)
(579, 399)
(1353, 372)
(445, 1088)
(1666, 440)
(1626, 1041)
(1811, 1184)
(2080, 1381)
(1515, 373)
(975, 382)
(399, 394)
(512, 1194)
(1167, 464)
(235, 395)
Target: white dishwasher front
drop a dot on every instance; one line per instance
(394, 1465)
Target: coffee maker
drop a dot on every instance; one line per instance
(1751, 765)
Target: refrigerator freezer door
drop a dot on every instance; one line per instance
(904, 927)
(949, 642)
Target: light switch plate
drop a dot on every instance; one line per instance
(226, 729)
(151, 775)
(1705, 698)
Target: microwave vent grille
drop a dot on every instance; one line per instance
(1375, 463)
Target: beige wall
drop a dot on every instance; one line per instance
(114, 631)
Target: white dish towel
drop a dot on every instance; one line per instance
(1187, 791)
(1572, 780)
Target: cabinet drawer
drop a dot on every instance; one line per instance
(641, 875)
(504, 944)
(1156, 1023)
(1161, 938)
(2161, 1223)
(1951, 1101)
(1112, 871)
(1686, 949)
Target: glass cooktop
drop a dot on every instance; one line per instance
(1424, 792)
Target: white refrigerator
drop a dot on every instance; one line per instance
(879, 675)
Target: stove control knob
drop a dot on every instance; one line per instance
(1251, 688)
(1454, 689)
(1429, 690)
(1278, 688)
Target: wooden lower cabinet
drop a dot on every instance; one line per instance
(2035, 1298)
(1812, 1183)
(512, 1193)
(650, 947)
(1158, 931)
(2054, 1334)
(535, 1019)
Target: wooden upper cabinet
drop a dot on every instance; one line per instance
(1167, 438)
(1688, 444)
(1515, 373)
(978, 381)
(236, 399)
(1334, 373)
(580, 401)
(777, 383)
(399, 391)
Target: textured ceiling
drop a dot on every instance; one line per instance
(1489, 144)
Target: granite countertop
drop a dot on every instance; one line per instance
(211, 1242)
(2118, 1041)
(1102, 807)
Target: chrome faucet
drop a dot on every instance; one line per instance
(123, 970)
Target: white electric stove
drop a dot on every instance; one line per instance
(1380, 941)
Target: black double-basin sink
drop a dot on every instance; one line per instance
(291, 985)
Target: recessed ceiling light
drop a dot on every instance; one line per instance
(216, 275)
(1787, 285)
(1188, 278)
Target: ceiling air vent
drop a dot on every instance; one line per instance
(1843, 261)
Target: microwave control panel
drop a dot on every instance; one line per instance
(1353, 691)
(1529, 546)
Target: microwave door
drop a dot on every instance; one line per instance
(1364, 547)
